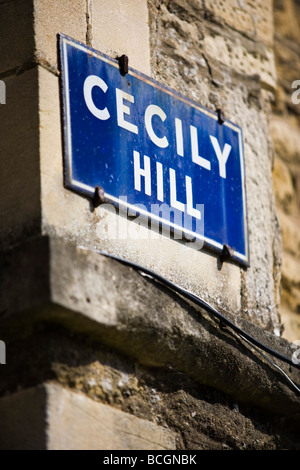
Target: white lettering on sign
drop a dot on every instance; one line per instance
(159, 181)
(189, 199)
(173, 191)
(152, 110)
(221, 156)
(179, 137)
(138, 172)
(123, 109)
(90, 82)
(160, 141)
(194, 143)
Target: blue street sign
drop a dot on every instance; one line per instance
(151, 148)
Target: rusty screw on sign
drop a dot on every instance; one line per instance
(227, 253)
(98, 197)
(221, 116)
(123, 64)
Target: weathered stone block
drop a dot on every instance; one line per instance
(291, 282)
(53, 418)
(291, 321)
(255, 19)
(286, 138)
(52, 17)
(245, 58)
(288, 68)
(117, 27)
(283, 186)
(295, 172)
(62, 210)
(286, 19)
(290, 232)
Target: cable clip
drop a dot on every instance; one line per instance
(227, 253)
(221, 116)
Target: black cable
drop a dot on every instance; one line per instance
(274, 365)
(202, 303)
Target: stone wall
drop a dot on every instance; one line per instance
(285, 131)
(221, 54)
